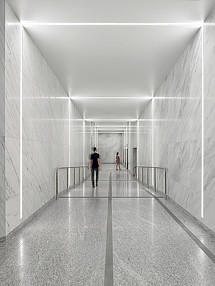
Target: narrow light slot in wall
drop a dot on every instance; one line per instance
(138, 144)
(84, 130)
(189, 24)
(21, 111)
(152, 138)
(111, 97)
(202, 187)
(69, 178)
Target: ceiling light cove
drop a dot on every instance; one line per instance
(111, 97)
(189, 24)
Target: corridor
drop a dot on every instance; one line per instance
(119, 233)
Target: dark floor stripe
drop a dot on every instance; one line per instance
(183, 226)
(108, 279)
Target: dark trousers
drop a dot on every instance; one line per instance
(93, 170)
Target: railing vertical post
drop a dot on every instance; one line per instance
(67, 178)
(165, 182)
(74, 176)
(142, 174)
(155, 179)
(147, 176)
(57, 186)
(79, 175)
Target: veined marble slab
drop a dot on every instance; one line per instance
(12, 119)
(45, 130)
(109, 144)
(2, 118)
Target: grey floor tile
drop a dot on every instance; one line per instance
(150, 248)
(65, 244)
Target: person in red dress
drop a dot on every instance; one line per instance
(117, 161)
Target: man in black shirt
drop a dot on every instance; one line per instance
(95, 164)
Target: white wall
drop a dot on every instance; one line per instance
(109, 144)
(50, 121)
(177, 129)
(146, 141)
(209, 122)
(175, 133)
(2, 119)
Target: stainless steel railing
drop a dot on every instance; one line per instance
(154, 175)
(76, 171)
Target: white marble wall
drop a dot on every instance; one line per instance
(87, 140)
(209, 122)
(177, 128)
(132, 143)
(146, 141)
(2, 119)
(77, 131)
(109, 144)
(12, 119)
(48, 118)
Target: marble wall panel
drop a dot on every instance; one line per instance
(211, 16)
(133, 142)
(209, 122)
(2, 119)
(177, 129)
(145, 142)
(46, 116)
(12, 118)
(109, 144)
(45, 128)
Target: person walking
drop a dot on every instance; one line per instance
(117, 161)
(95, 165)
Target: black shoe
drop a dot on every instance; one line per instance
(93, 186)
(96, 185)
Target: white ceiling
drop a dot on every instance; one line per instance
(111, 61)
(111, 10)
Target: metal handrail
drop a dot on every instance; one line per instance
(68, 168)
(155, 176)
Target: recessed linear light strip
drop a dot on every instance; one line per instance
(69, 178)
(190, 24)
(108, 120)
(21, 131)
(111, 97)
(202, 187)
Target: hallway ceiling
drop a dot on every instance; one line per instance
(121, 66)
(111, 10)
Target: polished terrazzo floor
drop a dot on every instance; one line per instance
(116, 234)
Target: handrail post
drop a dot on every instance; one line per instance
(165, 182)
(74, 176)
(142, 174)
(155, 179)
(147, 176)
(57, 184)
(79, 175)
(67, 178)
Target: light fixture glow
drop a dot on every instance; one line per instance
(21, 110)
(84, 139)
(138, 146)
(69, 179)
(108, 119)
(111, 97)
(189, 24)
(202, 179)
(152, 138)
